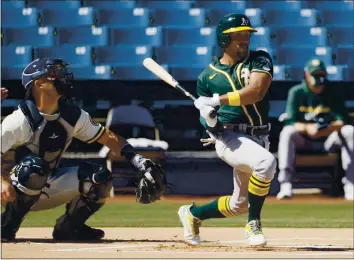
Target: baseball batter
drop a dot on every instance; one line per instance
(34, 138)
(238, 82)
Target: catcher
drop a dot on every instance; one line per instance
(34, 138)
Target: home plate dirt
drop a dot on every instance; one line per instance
(168, 243)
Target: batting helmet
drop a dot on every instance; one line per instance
(232, 23)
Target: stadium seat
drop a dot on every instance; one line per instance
(76, 56)
(262, 37)
(8, 5)
(230, 6)
(277, 5)
(34, 36)
(55, 5)
(330, 5)
(109, 5)
(190, 36)
(335, 18)
(300, 36)
(304, 17)
(187, 72)
(345, 55)
(122, 55)
(67, 17)
(84, 35)
(298, 56)
(180, 56)
(341, 36)
(337, 72)
(281, 72)
(13, 73)
(215, 15)
(126, 17)
(134, 72)
(194, 17)
(15, 56)
(92, 72)
(19, 18)
(169, 5)
(137, 36)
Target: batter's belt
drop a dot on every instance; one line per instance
(247, 129)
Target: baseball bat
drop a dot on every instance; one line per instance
(160, 72)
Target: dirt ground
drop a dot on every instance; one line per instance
(302, 243)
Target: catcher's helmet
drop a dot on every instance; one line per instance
(232, 23)
(54, 69)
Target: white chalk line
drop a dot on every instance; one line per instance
(84, 249)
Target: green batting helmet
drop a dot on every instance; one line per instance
(232, 23)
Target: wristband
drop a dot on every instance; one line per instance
(234, 98)
(128, 152)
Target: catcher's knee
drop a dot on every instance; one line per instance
(95, 181)
(30, 175)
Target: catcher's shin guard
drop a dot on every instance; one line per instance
(95, 186)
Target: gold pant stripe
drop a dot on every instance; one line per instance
(260, 180)
(222, 206)
(260, 183)
(257, 190)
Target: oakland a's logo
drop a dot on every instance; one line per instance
(245, 75)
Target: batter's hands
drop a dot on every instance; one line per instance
(7, 192)
(210, 140)
(205, 112)
(207, 101)
(4, 93)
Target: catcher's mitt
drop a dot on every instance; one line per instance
(151, 182)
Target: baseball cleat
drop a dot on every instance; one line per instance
(285, 191)
(254, 234)
(190, 224)
(348, 189)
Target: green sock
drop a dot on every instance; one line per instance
(219, 208)
(257, 192)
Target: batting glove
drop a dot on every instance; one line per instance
(213, 101)
(205, 113)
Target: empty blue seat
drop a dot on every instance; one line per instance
(337, 72)
(125, 17)
(194, 17)
(16, 56)
(298, 56)
(137, 36)
(134, 72)
(281, 72)
(68, 17)
(261, 38)
(122, 55)
(330, 5)
(190, 36)
(254, 14)
(13, 73)
(301, 36)
(341, 36)
(109, 5)
(333, 18)
(277, 5)
(230, 6)
(92, 72)
(76, 56)
(8, 5)
(304, 17)
(19, 18)
(186, 72)
(180, 56)
(57, 5)
(84, 35)
(170, 5)
(34, 36)
(345, 55)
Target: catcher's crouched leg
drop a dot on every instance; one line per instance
(28, 177)
(95, 184)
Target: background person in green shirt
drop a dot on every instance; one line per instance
(238, 82)
(316, 119)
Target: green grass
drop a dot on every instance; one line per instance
(164, 215)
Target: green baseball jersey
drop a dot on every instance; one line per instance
(306, 107)
(221, 79)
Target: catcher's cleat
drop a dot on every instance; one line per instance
(190, 224)
(254, 234)
(85, 233)
(7, 237)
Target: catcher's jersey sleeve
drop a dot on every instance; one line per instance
(86, 129)
(15, 131)
(262, 63)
